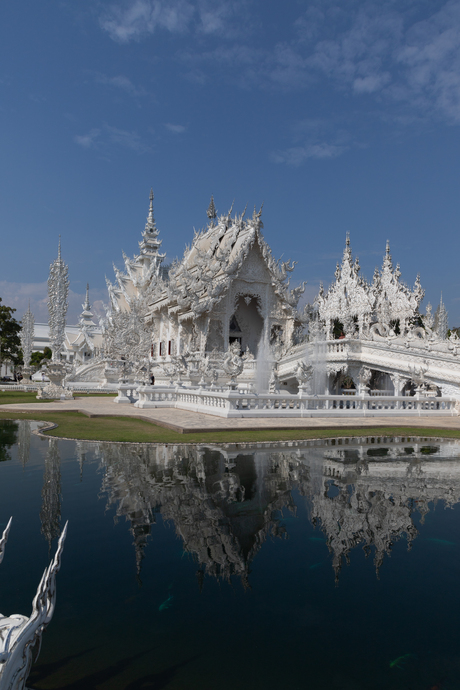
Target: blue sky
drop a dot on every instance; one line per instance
(339, 116)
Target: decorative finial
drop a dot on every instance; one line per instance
(347, 242)
(59, 249)
(150, 226)
(256, 217)
(87, 304)
(211, 212)
(151, 207)
(388, 248)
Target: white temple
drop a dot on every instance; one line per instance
(224, 319)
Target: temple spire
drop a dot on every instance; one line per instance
(86, 317)
(150, 243)
(150, 226)
(211, 212)
(387, 260)
(87, 305)
(441, 322)
(347, 255)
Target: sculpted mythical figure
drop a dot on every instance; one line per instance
(303, 373)
(233, 363)
(20, 637)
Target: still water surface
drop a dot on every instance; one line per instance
(319, 565)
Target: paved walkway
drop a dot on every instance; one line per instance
(184, 421)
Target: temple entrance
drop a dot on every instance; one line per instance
(246, 324)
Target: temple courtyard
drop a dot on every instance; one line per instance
(185, 421)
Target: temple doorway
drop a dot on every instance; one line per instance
(246, 324)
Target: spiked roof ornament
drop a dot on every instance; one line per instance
(150, 226)
(387, 260)
(211, 212)
(256, 217)
(86, 305)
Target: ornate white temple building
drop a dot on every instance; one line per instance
(82, 342)
(225, 317)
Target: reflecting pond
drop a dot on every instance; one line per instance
(322, 564)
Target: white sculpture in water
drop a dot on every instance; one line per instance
(20, 637)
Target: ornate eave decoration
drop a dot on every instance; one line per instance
(201, 280)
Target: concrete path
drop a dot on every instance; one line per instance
(184, 421)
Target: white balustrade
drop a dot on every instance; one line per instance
(235, 403)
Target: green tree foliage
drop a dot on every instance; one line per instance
(10, 343)
(37, 357)
(337, 329)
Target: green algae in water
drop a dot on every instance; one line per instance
(401, 661)
(167, 603)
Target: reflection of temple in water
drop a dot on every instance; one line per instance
(371, 494)
(224, 502)
(223, 505)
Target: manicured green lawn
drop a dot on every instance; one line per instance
(18, 397)
(78, 426)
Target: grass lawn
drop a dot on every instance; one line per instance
(78, 426)
(17, 397)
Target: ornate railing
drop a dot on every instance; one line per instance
(239, 403)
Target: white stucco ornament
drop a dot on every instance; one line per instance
(20, 637)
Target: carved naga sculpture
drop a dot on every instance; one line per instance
(20, 637)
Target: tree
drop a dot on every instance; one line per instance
(10, 343)
(37, 357)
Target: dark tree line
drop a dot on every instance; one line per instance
(10, 343)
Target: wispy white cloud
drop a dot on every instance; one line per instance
(227, 19)
(136, 19)
(176, 129)
(127, 139)
(107, 137)
(296, 155)
(377, 48)
(18, 296)
(121, 82)
(321, 139)
(404, 53)
(89, 139)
